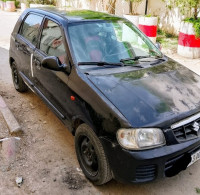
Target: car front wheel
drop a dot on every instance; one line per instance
(91, 155)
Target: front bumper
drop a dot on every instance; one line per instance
(147, 165)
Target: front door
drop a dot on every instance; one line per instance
(53, 84)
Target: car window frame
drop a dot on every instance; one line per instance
(21, 26)
(62, 33)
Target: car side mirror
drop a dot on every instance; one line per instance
(53, 63)
(158, 45)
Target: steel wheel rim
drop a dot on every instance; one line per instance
(15, 76)
(88, 156)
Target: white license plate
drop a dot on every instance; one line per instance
(195, 157)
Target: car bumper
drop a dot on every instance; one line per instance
(148, 165)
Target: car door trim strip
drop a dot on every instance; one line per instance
(32, 65)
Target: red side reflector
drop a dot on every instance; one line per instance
(72, 98)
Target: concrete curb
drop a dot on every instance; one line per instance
(9, 117)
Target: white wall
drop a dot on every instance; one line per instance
(122, 6)
(169, 20)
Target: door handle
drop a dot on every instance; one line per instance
(28, 49)
(17, 45)
(37, 63)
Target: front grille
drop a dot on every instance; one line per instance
(186, 132)
(145, 173)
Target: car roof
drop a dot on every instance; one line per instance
(75, 15)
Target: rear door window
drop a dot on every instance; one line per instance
(30, 28)
(52, 40)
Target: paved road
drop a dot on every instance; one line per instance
(183, 184)
(7, 22)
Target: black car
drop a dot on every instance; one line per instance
(135, 113)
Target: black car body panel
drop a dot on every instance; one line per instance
(157, 96)
(74, 84)
(150, 96)
(148, 165)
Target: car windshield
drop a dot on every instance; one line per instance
(109, 42)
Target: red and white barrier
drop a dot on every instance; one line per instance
(148, 25)
(23, 7)
(133, 18)
(188, 44)
(10, 6)
(1, 5)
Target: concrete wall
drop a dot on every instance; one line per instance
(169, 20)
(122, 6)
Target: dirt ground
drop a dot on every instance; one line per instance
(47, 160)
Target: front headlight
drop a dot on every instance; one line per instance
(141, 138)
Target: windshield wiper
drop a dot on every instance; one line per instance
(101, 63)
(157, 61)
(134, 58)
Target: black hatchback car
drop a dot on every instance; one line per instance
(135, 113)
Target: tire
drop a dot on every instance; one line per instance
(18, 82)
(91, 156)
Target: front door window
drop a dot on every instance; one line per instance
(52, 40)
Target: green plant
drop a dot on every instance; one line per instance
(168, 41)
(149, 15)
(198, 190)
(165, 34)
(196, 25)
(190, 9)
(133, 5)
(160, 32)
(17, 3)
(44, 2)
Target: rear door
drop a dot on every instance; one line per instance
(26, 41)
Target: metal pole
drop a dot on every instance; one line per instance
(146, 7)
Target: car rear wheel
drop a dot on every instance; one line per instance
(17, 80)
(91, 155)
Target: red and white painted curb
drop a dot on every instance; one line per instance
(188, 44)
(10, 148)
(133, 18)
(148, 25)
(10, 6)
(23, 7)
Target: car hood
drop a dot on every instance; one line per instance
(152, 96)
